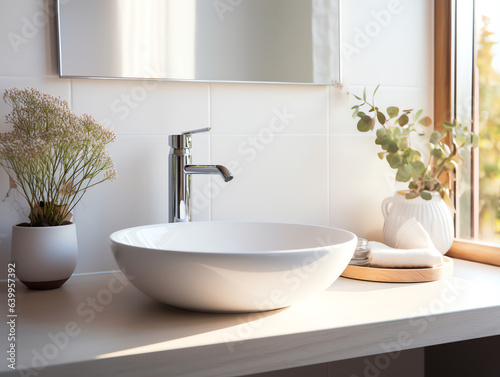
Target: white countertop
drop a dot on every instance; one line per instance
(100, 324)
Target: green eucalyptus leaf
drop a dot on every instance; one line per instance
(404, 173)
(436, 152)
(395, 160)
(436, 137)
(375, 91)
(358, 98)
(380, 132)
(381, 137)
(381, 155)
(403, 143)
(425, 121)
(364, 124)
(392, 112)
(392, 147)
(418, 167)
(414, 155)
(385, 140)
(403, 120)
(448, 125)
(381, 118)
(364, 94)
(417, 115)
(412, 195)
(426, 195)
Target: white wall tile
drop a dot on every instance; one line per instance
(251, 108)
(139, 196)
(28, 43)
(286, 180)
(387, 42)
(143, 107)
(359, 182)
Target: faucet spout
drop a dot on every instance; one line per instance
(179, 175)
(209, 169)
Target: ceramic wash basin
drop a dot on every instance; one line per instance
(232, 266)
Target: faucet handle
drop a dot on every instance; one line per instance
(183, 140)
(199, 130)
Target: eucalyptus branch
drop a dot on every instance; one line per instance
(394, 138)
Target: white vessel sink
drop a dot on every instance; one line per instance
(232, 266)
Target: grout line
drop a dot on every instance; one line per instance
(118, 134)
(219, 135)
(209, 103)
(29, 77)
(71, 104)
(355, 133)
(424, 87)
(277, 134)
(210, 149)
(358, 134)
(328, 124)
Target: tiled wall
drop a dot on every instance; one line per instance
(294, 150)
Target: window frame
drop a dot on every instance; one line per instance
(444, 88)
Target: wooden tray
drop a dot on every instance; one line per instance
(400, 275)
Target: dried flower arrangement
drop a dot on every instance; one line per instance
(52, 156)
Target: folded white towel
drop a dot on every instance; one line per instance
(412, 235)
(384, 256)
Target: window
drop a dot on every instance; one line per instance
(487, 47)
(467, 87)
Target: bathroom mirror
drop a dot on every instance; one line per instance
(273, 41)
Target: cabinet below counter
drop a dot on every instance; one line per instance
(101, 325)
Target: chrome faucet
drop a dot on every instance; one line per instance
(180, 173)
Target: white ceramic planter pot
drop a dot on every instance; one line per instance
(433, 214)
(45, 257)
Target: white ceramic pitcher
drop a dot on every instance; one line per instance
(433, 215)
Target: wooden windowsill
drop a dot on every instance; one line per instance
(474, 251)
